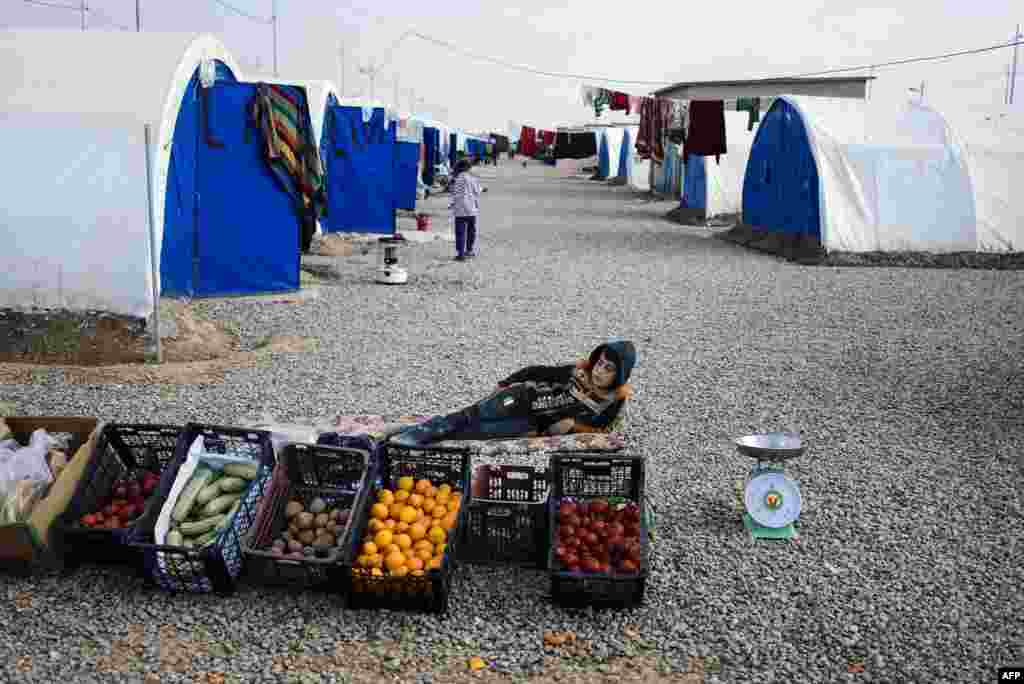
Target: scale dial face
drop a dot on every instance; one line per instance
(772, 499)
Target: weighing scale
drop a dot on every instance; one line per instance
(771, 499)
(388, 271)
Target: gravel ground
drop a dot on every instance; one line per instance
(906, 383)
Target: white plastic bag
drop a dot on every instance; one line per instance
(25, 463)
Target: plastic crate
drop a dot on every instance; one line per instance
(587, 476)
(507, 520)
(121, 450)
(428, 592)
(216, 567)
(306, 472)
(28, 546)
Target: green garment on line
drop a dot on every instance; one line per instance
(751, 105)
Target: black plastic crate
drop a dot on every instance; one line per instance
(307, 472)
(122, 450)
(584, 477)
(216, 567)
(507, 520)
(428, 592)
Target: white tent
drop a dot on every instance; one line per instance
(862, 176)
(993, 145)
(717, 186)
(75, 101)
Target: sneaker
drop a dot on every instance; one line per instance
(470, 255)
(460, 258)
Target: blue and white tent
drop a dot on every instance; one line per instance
(716, 187)
(858, 176)
(609, 150)
(222, 224)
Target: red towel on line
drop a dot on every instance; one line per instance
(706, 136)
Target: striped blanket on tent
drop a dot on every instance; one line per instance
(281, 113)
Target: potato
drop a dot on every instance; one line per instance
(307, 537)
(323, 541)
(294, 529)
(321, 520)
(333, 513)
(294, 546)
(304, 520)
(293, 509)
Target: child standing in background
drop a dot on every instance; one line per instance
(465, 207)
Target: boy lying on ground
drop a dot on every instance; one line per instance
(541, 400)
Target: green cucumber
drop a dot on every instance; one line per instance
(200, 478)
(193, 529)
(174, 538)
(206, 538)
(249, 471)
(221, 504)
(232, 484)
(209, 492)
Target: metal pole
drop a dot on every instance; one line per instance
(138, 17)
(273, 19)
(83, 9)
(1013, 79)
(154, 268)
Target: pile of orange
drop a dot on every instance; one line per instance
(409, 528)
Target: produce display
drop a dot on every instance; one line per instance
(126, 501)
(313, 531)
(409, 529)
(208, 503)
(598, 536)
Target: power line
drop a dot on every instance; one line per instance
(581, 77)
(242, 13)
(912, 60)
(520, 67)
(54, 5)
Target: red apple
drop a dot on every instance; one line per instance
(566, 531)
(566, 509)
(591, 539)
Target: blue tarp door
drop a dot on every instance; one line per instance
(695, 183)
(248, 230)
(453, 152)
(360, 173)
(407, 155)
(432, 143)
(603, 159)
(780, 186)
(625, 155)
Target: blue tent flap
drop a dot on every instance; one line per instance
(432, 144)
(407, 157)
(604, 162)
(247, 226)
(780, 186)
(360, 172)
(695, 183)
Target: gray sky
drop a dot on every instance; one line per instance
(727, 39)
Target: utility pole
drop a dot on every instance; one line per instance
(138, 17)
(84, 9)
(1013, 78)
(341, 68)
(273, 20)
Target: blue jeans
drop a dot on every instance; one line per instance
(465, 234)
(503, 415)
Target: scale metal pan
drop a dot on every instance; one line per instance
(771, 446)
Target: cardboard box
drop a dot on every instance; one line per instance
(27, 546)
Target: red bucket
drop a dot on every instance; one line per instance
(422, 222)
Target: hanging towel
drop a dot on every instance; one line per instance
(706, 136)
(751, 105)
(618, 102)
(601, 100)
(528, 142)
(548, 137)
